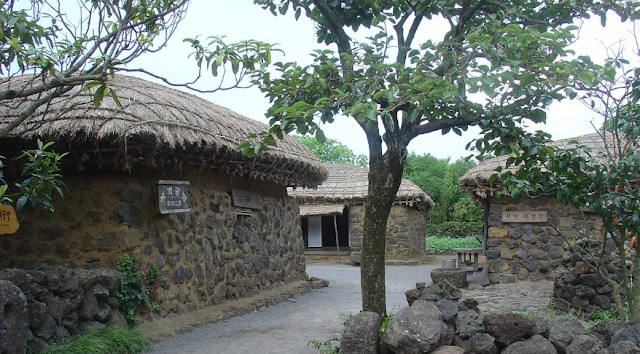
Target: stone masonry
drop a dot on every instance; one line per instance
(406, 229)
(533, 251)
(208, 255)
(57, 303)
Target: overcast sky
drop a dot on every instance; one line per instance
(241, 19)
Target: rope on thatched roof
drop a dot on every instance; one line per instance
(476, 180)
(159, 126)
(349, 184)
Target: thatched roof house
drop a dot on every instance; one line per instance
(235, 232)
(159, 127)
(476, 180)
(521, 236)
(338, 203)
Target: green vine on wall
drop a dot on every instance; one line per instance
(134, 290)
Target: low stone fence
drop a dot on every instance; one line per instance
(579, 289)
(436, 322)
(53, 303)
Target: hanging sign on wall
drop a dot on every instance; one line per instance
(246, 199)
(8, 220)
(524, 216)
(173, 196)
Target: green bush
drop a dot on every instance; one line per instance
(448, 244)
(112, 340)
(455, 229)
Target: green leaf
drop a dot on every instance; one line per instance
(98, 96)
(527, 78)
(115, 98)
(21, 202)
(587, 77)
(371, 111)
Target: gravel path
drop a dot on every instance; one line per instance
(288, 327)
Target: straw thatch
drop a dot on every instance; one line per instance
(157, 126)
(349, 185)
(322, 209)
(476, 180)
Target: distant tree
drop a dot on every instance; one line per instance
(333, 151)
(439, 179)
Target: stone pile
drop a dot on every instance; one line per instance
(53, 303)
(579, 289)
(436, 322)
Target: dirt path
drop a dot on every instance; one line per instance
(288, 327)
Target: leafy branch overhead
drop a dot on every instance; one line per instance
(497, 64)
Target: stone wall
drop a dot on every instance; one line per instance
(209, 254)
(406, 229)
(533, 251)
(51, 304)
(579, 289)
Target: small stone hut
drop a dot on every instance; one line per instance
(338, 205)
(160, 178)
(520, 237)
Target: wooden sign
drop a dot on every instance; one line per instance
(173, 196)
(8, 220)
(246, 199)
(524, 216)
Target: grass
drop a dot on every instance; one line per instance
(112, 340)
(447, 244)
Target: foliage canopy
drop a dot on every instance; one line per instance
(332, 151)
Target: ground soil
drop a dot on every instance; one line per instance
(252, 325)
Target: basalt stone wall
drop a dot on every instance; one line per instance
(208, 255)
(50, 304)
(406, 229)
(578, 288)
(533, 251)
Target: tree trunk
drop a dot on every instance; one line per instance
(385, 175)
(634, 294)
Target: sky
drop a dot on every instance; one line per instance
(241, 20)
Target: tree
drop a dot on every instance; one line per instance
(439, 179)
(499, 64)
(603, 180)
(513, 53)
(332, 151)
(64, 51)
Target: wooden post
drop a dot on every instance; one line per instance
(335, 225)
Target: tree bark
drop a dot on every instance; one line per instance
(385, 175)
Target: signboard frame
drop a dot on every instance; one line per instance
(180, 200)
(246, 199)
(530, 216)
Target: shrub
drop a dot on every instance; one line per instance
(455, 229)
(111, 340)
(448, 244)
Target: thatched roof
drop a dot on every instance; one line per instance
(157, 126)
(348, 185)
(321, 209)
(476, 180)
